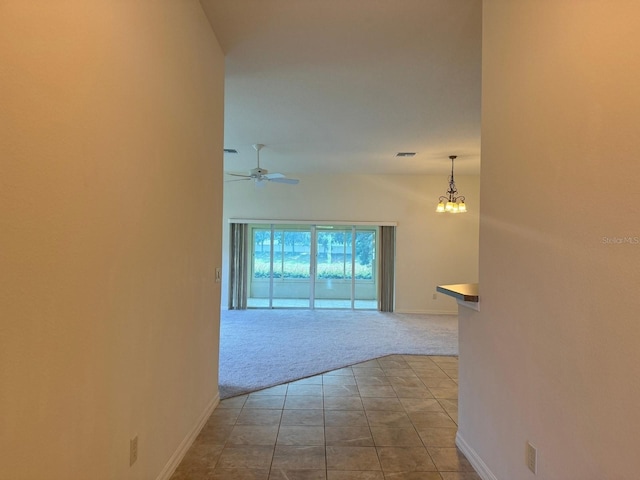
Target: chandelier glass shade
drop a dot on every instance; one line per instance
(451, 202)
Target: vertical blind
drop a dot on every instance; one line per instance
(238, 261)
(387, 268)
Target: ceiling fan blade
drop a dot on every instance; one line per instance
(290, 181)
(237, 175)
(272, 176)
(238, 179)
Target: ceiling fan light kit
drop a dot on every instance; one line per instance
(261, 176)
(451, 202)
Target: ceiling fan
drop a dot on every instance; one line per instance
(262, 176)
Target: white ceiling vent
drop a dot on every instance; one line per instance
(406, 154)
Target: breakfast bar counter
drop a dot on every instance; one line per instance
(467, 294)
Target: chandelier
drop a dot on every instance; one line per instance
(451, 202)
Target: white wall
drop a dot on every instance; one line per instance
(431, 248)
(552, 357)
(110, 158)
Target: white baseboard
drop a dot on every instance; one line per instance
(474, 459)
(184, 446)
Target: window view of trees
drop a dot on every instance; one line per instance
(292, 250)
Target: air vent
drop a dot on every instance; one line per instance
(230, 150)
(406, 154)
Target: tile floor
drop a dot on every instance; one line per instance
(393, 418)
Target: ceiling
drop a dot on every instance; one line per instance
(333, 86)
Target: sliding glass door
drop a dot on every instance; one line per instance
(280, 267)
(291, 268)
(333, 279)
(313, 266)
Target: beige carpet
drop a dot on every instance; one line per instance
(262, 348)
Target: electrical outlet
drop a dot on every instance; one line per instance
(531, 457)
(435, 296)
(133, 450)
